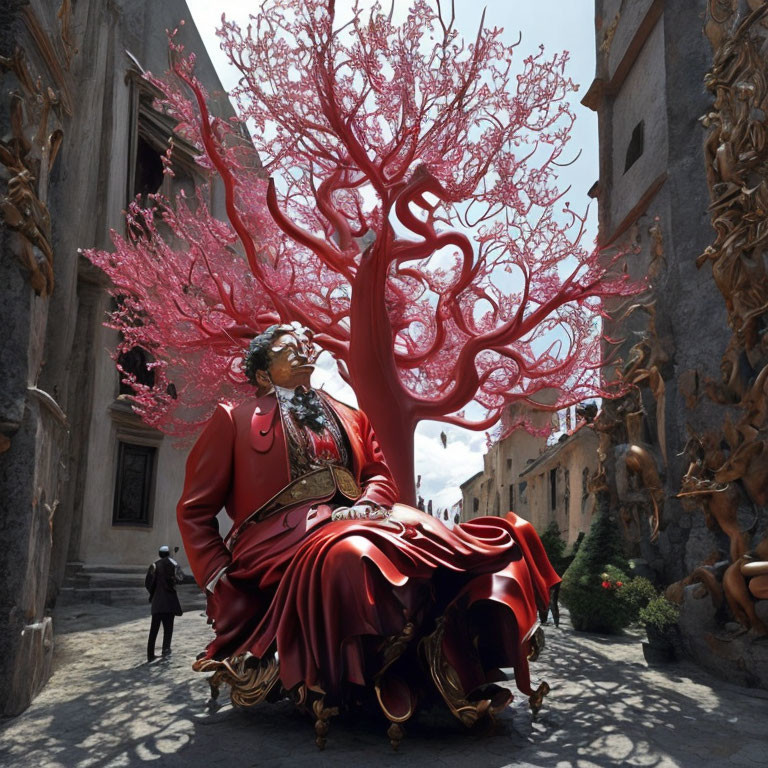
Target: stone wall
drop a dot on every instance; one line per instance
(680, 456)
(64, 125)
(652, 201)
(573, 461)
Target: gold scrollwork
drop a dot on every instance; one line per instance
(446, 680)
(250, 680)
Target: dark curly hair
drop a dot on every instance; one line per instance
(259, 355)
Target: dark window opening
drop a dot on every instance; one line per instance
(475, 505)
(521, 494)
(133, 487)
(148, 173)
(512, 498)
(567, 490)
(509, 463)
(635, 147)
(553, 488)
(134, 362)
(585, 483)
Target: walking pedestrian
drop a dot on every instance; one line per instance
(162, 577)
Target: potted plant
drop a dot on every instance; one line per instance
(660, 619)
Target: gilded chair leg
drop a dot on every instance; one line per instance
(536, 699)
(536, 645)
(323, 715)
(395, 733)
(398, 703)
(448, 684)
(214, 681)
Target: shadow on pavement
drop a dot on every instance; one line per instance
(105, 708)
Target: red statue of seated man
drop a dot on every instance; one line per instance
(325, 584)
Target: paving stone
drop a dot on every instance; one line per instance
(104, 707)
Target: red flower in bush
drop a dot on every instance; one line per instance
(619, 583)
(606, 585)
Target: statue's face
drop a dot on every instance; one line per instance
(292, 359)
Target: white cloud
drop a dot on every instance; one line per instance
(443, 470)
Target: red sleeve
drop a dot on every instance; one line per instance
(206, 487)
(375, 478)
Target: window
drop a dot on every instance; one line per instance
(553, 488)
(521, 492)
(585, 483)
(147, 171)
(134, 484)
(512, 497)
(475, 505)
(635, 146)
(148, 142)
(134, 362)
(567, 491)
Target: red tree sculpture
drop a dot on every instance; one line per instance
(403, 206)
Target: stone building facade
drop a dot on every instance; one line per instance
(541, 483)
(495, 491)
(681, 97)
(557, 485)
(81, 478)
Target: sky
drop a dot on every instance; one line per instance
(557, 25)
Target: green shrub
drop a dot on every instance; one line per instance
(660, 614)
(636, 594)
(591, 590)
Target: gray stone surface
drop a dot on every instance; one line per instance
(727, 651)
(104, 707)
(56, 379)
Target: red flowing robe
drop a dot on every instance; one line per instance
(324, 593)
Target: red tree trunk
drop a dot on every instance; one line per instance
(374, 374)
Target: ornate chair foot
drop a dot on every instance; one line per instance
(447, 682)
(536, 644)
(250, 680)
(323, 715)
(536, 699)
(214, 681)
(397, 702)
(395, 733)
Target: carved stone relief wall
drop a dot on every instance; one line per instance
(727, 476)
(36, 110)
(684, 456)
(39, 101)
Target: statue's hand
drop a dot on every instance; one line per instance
(365, 511)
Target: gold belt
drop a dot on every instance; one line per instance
(318, 485)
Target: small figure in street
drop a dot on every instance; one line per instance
(162, 577)
(554, 607)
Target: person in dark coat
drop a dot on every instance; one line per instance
(160, 582)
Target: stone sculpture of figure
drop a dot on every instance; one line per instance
(353, 592)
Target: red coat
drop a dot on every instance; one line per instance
(319, 590)
(240, 461)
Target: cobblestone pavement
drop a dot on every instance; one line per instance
(104, 708)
